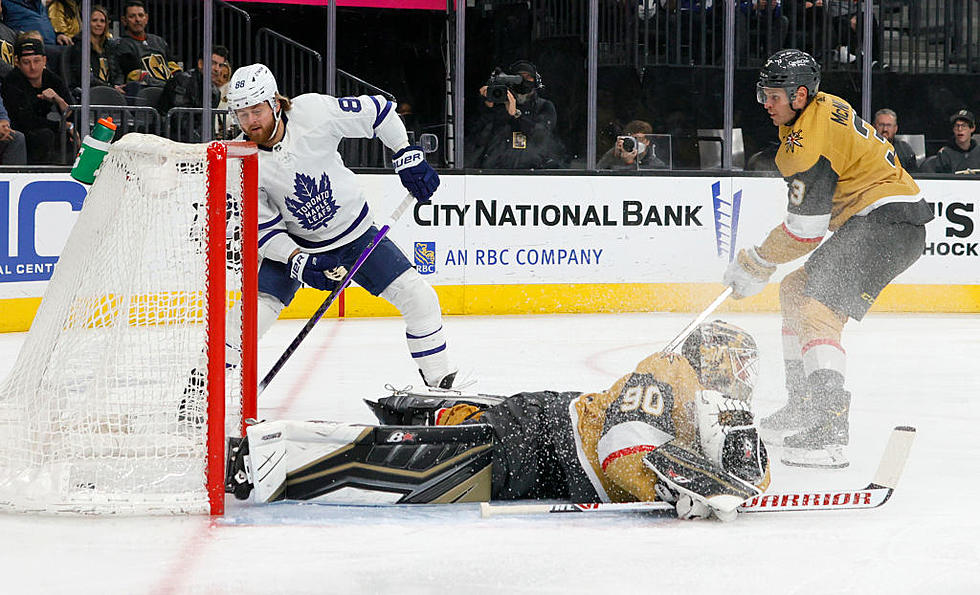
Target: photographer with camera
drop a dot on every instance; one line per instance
(516, 127)
(633, 150)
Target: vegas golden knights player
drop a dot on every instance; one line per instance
(677, 428)
(842, 177)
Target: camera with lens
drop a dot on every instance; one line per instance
(629, 143)
(500, 82)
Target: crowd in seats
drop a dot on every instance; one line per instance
(41, 53)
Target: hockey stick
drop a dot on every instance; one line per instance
(676, 341)
(873, 495)
(395, 215)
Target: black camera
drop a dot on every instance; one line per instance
(500, 82)
(629, 143)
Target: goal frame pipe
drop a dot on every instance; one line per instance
(218, 154)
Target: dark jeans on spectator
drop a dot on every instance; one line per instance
(14, 151)
(42, 146)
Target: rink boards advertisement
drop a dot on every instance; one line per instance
(540, 243)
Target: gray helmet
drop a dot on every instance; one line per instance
(789, 69)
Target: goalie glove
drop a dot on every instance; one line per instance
(748, 273)
(320, 271)
(416, 174)
(702, 488)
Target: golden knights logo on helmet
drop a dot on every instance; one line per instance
(725, 358)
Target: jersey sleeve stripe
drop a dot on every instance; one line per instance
(313, 245)
(806, 231)
(264, 239)
(626, 451)
(269, 224)
(627, 435)
(381, 111)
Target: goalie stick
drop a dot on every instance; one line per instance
(875, 494)
(395, 215)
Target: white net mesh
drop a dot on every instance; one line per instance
(105, 409)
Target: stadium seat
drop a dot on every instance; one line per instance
(149, 96)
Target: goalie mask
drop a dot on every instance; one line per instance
(725, 358)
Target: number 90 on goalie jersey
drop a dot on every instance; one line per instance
(641, 412)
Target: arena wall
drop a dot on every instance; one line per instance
(520, 244)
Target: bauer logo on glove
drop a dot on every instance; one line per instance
(416, 174)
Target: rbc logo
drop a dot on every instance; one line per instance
(425, 257)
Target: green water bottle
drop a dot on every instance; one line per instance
(93, 151)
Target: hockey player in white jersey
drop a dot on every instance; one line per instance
(314, 220)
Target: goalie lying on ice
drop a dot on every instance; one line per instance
(677, 428)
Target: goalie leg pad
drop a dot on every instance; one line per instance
(348, 463)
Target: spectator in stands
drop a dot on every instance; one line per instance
(7, 38)
(962, 154)
(65, 16)
(13, 145)
(139, 58)
(761, 19)
(99, 62)
(36, 99)
(186, 89)
(886, 123)
(632, 151)
(29, 15)
(517, 131)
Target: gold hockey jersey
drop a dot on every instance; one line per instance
(641, 411)
(836, 166)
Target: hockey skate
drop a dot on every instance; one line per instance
(822, 444)
(238, 479)
(791, 417)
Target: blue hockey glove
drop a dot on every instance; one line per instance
(417, 175)
(320, 271)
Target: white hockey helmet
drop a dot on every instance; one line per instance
(251, 85)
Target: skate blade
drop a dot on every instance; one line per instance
(829, 457)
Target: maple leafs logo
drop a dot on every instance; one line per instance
(793, 139)
(312, 205)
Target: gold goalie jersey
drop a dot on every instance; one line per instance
(836, 165)
(642, 411)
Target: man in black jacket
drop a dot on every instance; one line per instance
(962, 154)
(36, 100)
(519, 131)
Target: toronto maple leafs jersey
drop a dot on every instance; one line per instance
(308, 199)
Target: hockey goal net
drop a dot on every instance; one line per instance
(141, 359)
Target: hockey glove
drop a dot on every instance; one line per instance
(748, 273)
(417, 175)
(320, 271)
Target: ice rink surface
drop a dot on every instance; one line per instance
(921, 370)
